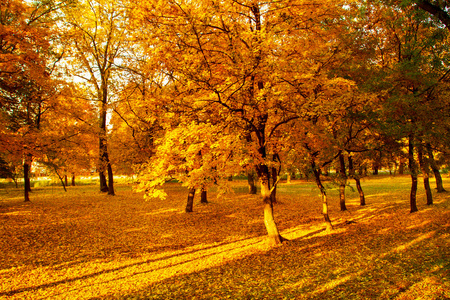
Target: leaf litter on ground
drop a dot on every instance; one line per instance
(84, 245)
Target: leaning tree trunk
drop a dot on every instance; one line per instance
(15, 182)
(190, 200)
(323, 193)
(425, 173)
(362, 199)
(434, 167)
(61, 178)
(342, 181)
(413, 170)
(274, 185)
(352, 173)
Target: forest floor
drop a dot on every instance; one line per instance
(86, 245)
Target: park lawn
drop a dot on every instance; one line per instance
(83, 244)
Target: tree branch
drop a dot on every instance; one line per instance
(435, 11)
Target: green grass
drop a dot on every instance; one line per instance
(86, 245)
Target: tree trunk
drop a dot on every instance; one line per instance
(190, 200)
(104, 163)
(413, 171)
(352, 173)
(110, 180)
(342, 181)
(251, 182)
(425, 173)
(375, 169)
(274, 185)
(103, 154)
(203, 196)
(362, 199)
(103, 184)
(401, 167)
(62, 182)
(73, 179)
(61, 178)
(269, 220)
(26, 179)
(434, 167)
(323, 193)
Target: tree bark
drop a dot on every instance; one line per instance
(362, 199)
(103, 151)
(323, 193)
(274, 236)
(413, 171)
(110, 180)
(203, 196)
(342, 181)
(434, 167)
(190, 200)
(26, 179)
(252, 189)
(103, 145)
(352, 173)
(61, 178)
(259, 128)
(103, 185)
(73, 179)
(274, 186)
(375, 169)
(401, 166)
(425, 173)
(436, 11)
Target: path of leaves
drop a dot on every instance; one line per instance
(82, 244)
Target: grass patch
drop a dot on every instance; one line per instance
(86, 245)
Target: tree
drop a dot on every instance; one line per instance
(238, 59)
(28, 89)
(135, 123)
(97, 36)
(424, 167)
(70, 143)
(408, 67)
(435, 8)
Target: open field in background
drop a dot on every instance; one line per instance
(83, 244)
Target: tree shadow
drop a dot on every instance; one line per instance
(202, 254)
(373, 260)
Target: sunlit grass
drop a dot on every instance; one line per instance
(84, 244)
